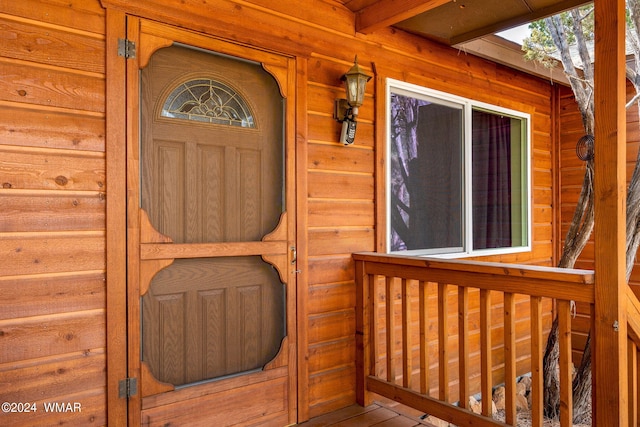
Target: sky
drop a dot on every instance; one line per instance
(516, 34)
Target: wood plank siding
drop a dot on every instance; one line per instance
(52, 226)
(53, 174)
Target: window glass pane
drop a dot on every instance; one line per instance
(496, 181)
(208, 101)
(427, 174)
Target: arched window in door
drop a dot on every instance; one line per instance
(209, 101)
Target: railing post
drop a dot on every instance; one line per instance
(363, 338)
(609, 364)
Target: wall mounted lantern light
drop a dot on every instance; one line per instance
(346, 110)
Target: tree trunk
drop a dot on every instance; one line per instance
(576, 239)
(582, 387)
(551, 374)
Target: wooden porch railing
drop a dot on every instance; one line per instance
(431, 333)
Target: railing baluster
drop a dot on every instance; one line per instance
(510, 357)
(485, 352)
(633, 332)
(407, 367)
(632, 355)
(463, 346)
(564, 343)
(423, 300)
(443, 341)
(537, 380)
(373, 324)
(635, 402)
(365, 364)
(391, 329)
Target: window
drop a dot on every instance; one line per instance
(209, 101)
(458, 174)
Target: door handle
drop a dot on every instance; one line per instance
(294, 258)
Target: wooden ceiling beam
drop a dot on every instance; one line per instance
(385, 13)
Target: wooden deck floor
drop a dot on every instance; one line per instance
(378, 415)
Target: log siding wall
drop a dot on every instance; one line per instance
(52, 198)
(52, 170)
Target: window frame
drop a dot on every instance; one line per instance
(467, 105)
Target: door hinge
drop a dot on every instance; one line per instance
(127, 388)
(126, 48)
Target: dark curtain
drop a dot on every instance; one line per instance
(436, 177)
(491, 180)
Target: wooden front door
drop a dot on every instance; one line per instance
(211, 247)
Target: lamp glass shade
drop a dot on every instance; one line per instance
(355, 84)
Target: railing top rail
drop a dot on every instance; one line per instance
(552, 282)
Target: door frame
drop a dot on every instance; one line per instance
(122, 126)
(116, 218)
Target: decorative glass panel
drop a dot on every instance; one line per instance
(209, 101)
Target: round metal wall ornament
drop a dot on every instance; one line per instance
(584, 148)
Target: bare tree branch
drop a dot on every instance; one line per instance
(582, 87)
(581, 44)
